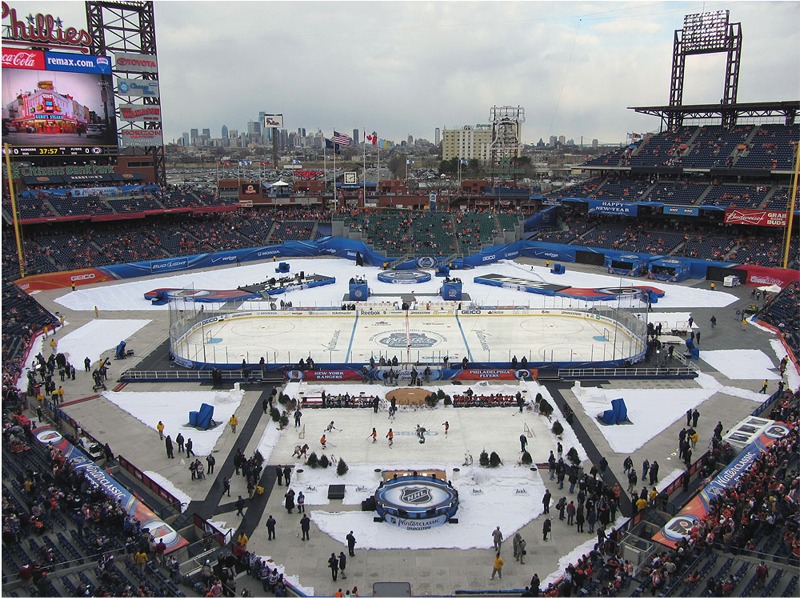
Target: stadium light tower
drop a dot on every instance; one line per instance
(506, 145)
(706, 33)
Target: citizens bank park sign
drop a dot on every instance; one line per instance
(756, 217)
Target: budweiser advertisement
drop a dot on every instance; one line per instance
(756, 217)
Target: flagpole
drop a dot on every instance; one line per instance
(335, 196)
(324, 165)
(365, 166)
(378, 173)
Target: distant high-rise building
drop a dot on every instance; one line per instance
(553, 141)
(410, 140)
(595, 143)
(224, 132)
(301, 131)
(437, 135)
(562, 139)
(355, 137)
(467, 143)
(193, 135)
(185, 139)
(207, 133)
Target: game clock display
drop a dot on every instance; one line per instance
(59, 151)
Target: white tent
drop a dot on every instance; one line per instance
(279, 184)
(773, 288)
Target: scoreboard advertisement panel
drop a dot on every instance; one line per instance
(57, 104)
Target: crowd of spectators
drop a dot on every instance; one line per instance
(783, 312)
(54, 518)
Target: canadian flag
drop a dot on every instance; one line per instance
(371, 139)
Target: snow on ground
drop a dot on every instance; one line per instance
(129, 295)
(510, 485)
(167, 485)
(741, 364)
(647, 421)
(480, 492)
(172, 408)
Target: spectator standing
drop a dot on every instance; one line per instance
(168, 445)
(210, 462)
(189, 445)
(497, 568)
(342, 564)
(305, 527)
(351, 543)
(546, 501)
(497, 539)
(270, 528)
(160, 428)
(333, 565)
(233, 422)
(546, 527)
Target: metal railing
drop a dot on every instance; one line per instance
(182, 375)
(649, 372)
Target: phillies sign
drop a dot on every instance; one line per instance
(42, 30)
(756, 217)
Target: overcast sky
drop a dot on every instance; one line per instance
(405, 68)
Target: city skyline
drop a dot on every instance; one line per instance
(407, 68)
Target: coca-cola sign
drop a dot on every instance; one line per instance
(42, 30)
(756, 217)
(23, 59)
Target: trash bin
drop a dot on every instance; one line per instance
(298, 474)
(456, 473)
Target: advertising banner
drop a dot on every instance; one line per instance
(681, 210)
(101, 479)
(273, 121)
(74, 63)
(697, 509)
(614, 208)
(756, 217)
(140, 112)
(62, 280)
(136, 63)
(141, 138)
(23, 59)
(138, 87)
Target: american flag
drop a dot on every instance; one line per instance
(342, 139)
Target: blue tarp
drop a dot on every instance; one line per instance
(618, 414)
(204, 416)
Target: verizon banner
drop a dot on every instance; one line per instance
(136, 63)
(756, 217)
(140, 138)
(146, 112)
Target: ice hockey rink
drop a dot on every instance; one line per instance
(426, 336)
